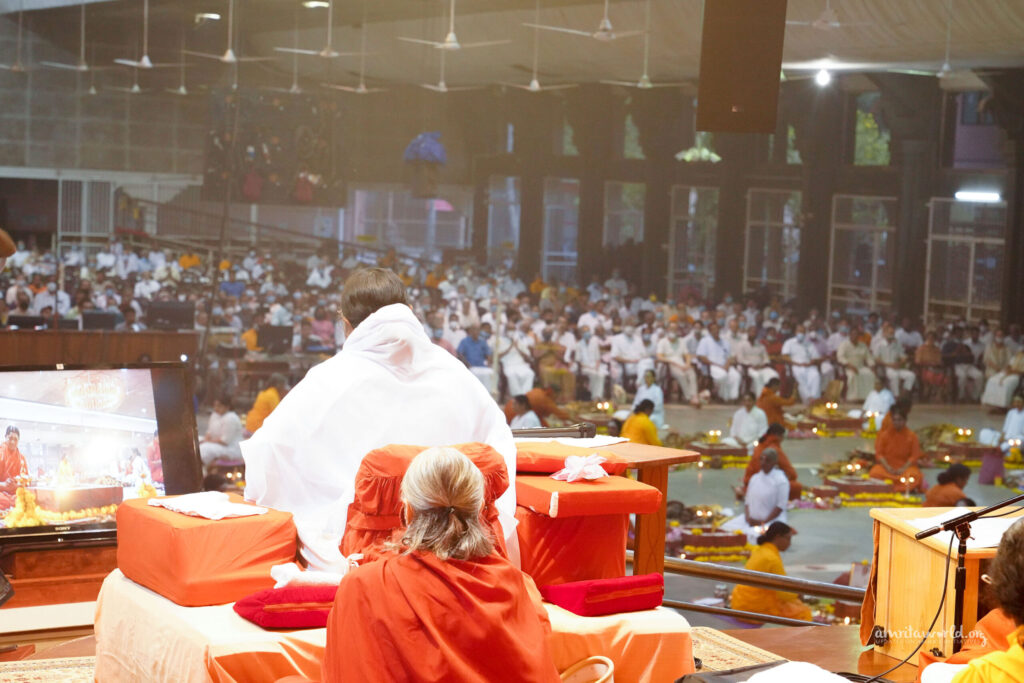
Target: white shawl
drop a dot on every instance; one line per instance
(388, 385)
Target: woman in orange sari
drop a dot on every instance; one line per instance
(446, 607)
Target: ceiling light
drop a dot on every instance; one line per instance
(823, 78)
(207, 16)
(974, 196)
(316, 4)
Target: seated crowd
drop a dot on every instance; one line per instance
(580, 342)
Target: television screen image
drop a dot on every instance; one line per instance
(75, 444)
(171, 315)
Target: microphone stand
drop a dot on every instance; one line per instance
(961, 526)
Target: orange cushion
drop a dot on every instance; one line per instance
(195, 561)
(373, 516)
(572, 548)
(604, 496)
(549, 457)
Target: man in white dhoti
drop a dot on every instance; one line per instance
(389, 384)
(223, 434)
(751, 354)
(651, 391)
(1013, 428)
(803, 357)
(514, 352)
(890, 356)
(1001, 386)
(765, 499)
(714, 353)
(592, 365)
(630, 355)
(749, 424)
(854, 355)
(672, 351)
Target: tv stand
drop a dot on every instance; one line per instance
(54, 573)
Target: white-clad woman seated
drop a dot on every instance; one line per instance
(223, 434)
(445, 606)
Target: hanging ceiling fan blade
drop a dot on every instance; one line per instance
(625, 34)
(799, 23)
(297, 51)
(17, 67)
(560, 29)
(359, 89)
(148, 65)
(66, 67)
(485, 43)
(914, 72)
(205, 55)
(420, 41)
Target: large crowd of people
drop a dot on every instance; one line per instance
(580, 342)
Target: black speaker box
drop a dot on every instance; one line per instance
(740, 63)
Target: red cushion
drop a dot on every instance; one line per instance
(548, 457)
(604, 496)
(289, 607)
(608, 596)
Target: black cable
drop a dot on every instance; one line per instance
(928, 633)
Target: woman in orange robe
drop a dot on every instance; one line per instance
(772, 404)
(12, 462)
(773, 439)
(447, 607)
(897, 451)
(949, 492)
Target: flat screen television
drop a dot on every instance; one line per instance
(171, 315)
(99, 320)
(75, 442)
(25, 322)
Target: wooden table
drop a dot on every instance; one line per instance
(651, 464)
(836, 648)
(910, 581)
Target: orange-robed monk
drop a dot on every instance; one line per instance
(772, 403)
(12, 462)
(949, 492)
(446, 607)
(897, 451)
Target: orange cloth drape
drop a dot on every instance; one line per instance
(571, 548)
(943, 496)
(195, 561)
(12, 462)
(414, 617)
(898, 448)
(990, 634)
(772, 404)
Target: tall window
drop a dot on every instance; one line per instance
(561, 229)
(623, 213)
(567, 143)
(871, 139)
(692, 240)
(388, 216)
(503, 207)
(863, 246)
(773, 241)
(632, 149)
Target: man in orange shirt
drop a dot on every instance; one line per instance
(639, 428)
(897, 451)
(772, 404)
(265, 402)
(12, 462)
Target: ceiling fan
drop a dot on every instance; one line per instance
(450, 42)
(604, 31)
(143, 62)
(360, 89)
(645, 82)
(328, 52)
(82, 64)
(181, 90)
(443, 87)
(828, 20)
(17, 67)
(229, 56)
(534, 85)
(134, 89)
(295, 89)
(946, 70)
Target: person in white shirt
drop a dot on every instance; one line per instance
(146, 288)
(836, 339)
(346, 407)
(595, 289)
(630, 355)
(515, 354)
(889, 355)
(615, 285)
(52, 298)
(909, 337)
(749, 424)
(803, 356)
(765, 500)
(732, 335)
(650, 390)
(879, 401)
(856, 358)
(591, 363)
(751, 354)
(223, 434)
(714, 353)
(1013, 425)
(594, 317)
(524, 418)
(671, 351)
(692, 338)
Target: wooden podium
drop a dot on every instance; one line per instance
(910, 578)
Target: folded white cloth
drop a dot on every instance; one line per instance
(578, 467)
(208, 504)
(796, 671)
(292, 574)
